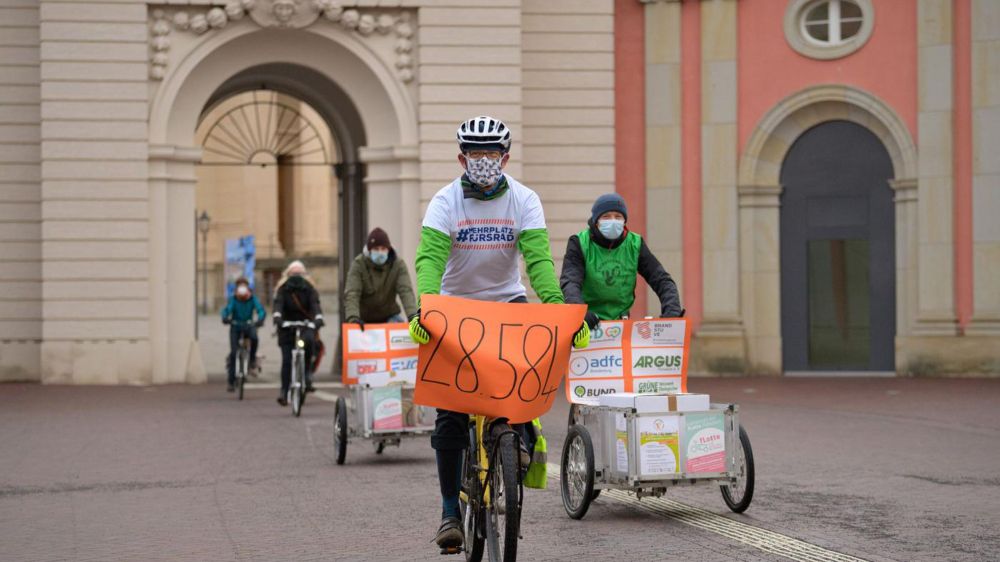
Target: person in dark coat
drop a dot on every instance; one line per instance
(604, 260)
(376, 277)
(296, 299)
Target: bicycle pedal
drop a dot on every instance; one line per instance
(451, 550)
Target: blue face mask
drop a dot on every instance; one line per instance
(379, 258)
(611, 229)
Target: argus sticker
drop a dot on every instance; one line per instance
(642, 356)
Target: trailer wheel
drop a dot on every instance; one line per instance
(738, 495)
(576, 476)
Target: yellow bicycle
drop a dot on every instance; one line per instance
(492, 493)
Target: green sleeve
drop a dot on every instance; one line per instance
(432, 257)
(534, 246)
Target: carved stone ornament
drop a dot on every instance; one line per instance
(285, 14)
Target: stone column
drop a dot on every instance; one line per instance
(935, 264)
(721, 333)
(176, 357)
(985, 168)
(907, 231)
(393, 189)
(663, 139)
(760, 275)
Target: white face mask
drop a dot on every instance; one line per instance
(379, 258)
(243, 291)
(611, 228)
(484, 172)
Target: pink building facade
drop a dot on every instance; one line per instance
(816, 174)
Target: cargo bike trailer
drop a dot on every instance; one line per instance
(602, 451)
(356, 420)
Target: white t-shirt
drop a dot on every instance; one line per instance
(483, 264)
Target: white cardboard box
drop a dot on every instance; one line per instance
(385, 378)
(688, 402)
(618, 400)
(651, 403)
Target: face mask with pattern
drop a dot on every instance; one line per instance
(484, 172)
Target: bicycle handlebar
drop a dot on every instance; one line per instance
(299, 323)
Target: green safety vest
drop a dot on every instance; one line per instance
(609, 283)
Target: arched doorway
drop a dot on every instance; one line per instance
(267, 180)
(837, 251)
(368, 109)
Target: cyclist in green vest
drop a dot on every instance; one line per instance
(602, 263)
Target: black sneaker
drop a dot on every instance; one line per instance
(230, 388)
(310, 387)
(282, 401)
(450, 534)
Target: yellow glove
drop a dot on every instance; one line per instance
(418, 333)
(582, 337)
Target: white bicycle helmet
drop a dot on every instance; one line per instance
(483, 132)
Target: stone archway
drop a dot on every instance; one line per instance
(760, 198)
(381, 129)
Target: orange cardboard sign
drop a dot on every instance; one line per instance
(630, 356)
(496, 359)
(378, 348)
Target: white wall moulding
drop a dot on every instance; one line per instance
(282, 14)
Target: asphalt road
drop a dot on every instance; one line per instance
(879, 469)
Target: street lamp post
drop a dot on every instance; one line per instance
(204, 223)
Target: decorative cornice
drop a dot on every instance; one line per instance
(282, 14)
(759, 195)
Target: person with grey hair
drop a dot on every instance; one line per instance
(296, 299)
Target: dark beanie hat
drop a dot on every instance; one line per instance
(605, 203)
(378, 237)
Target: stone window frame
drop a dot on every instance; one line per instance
(805, 46)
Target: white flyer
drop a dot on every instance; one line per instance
(658, 436)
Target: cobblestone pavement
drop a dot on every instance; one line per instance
(896, 469)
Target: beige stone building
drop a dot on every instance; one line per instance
(100, 109)
(817, 175)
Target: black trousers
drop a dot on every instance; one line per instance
(235, 331)
(451, 432)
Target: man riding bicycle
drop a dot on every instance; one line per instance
(376, 277)
(603, 261)
(472, 233)
(239, 314)
(296, 300)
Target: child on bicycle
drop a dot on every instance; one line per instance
(296, 299)
(603, 261)
(472, 233)
(239, 315)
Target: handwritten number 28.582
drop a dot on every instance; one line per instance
(537, 345)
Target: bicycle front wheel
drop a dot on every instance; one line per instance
(503, 520)
(471, 506)
(241, 373)
(298, 384)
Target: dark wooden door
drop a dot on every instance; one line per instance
(838, 297)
